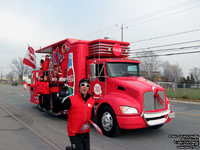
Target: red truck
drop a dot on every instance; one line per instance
(124, 99)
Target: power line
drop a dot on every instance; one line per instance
(114, 30)
(156, 18)
(169, 49)
(108, 28)
(159, 37)
(159, 11)
(140, 17)
(173, 44)
(169, 54)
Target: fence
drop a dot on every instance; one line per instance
(181, 91)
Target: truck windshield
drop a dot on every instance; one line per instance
(122, 69)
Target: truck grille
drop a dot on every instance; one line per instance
(152, 103)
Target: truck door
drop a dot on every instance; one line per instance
(97, 80)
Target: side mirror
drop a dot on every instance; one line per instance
(92, 72)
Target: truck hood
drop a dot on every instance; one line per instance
(138, 84)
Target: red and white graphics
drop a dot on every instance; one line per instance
(70, 74)
(57, 57)
(97, 89)
(30, 58)
(117, 49)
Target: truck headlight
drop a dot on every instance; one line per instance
(128, 110)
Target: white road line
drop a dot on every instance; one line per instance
(56, 147)
(21, 95)
(9, 91)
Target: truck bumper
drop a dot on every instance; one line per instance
(132, 122)
(145, 120)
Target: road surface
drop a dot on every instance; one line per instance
(24, 127)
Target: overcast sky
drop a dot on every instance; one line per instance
(43, 22)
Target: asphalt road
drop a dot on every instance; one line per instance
(24, 127)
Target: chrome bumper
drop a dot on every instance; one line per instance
(157, 118)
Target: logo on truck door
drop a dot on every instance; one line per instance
(97, 89)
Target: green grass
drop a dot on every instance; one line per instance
(193, 94)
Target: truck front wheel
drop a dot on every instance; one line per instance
(108, 122)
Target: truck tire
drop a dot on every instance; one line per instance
(108, 123)
(157, 126)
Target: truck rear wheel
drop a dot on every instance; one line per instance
(108, 123)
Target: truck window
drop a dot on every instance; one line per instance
(100, 72)
(132, 69)
(122, 69)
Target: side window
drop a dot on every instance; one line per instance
(100, 72)
(132, 69)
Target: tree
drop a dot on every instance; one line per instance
(10, 76)
(166, 70)
(195, 72)
(172, 73)
(176, 73)
(149, 63)
(192, 80)
(19, 68)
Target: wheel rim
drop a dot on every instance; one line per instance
(107, 121)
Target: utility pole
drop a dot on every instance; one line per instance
(122, 31)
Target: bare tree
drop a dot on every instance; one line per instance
(166, 70)
(149, 62)
(196, 74)
(176, 73)
(19, 68)
(10, 76)
(172, 73)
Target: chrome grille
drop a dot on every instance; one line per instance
(152, 103)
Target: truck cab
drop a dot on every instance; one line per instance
(125, 99)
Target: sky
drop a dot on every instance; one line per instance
(40, 23)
